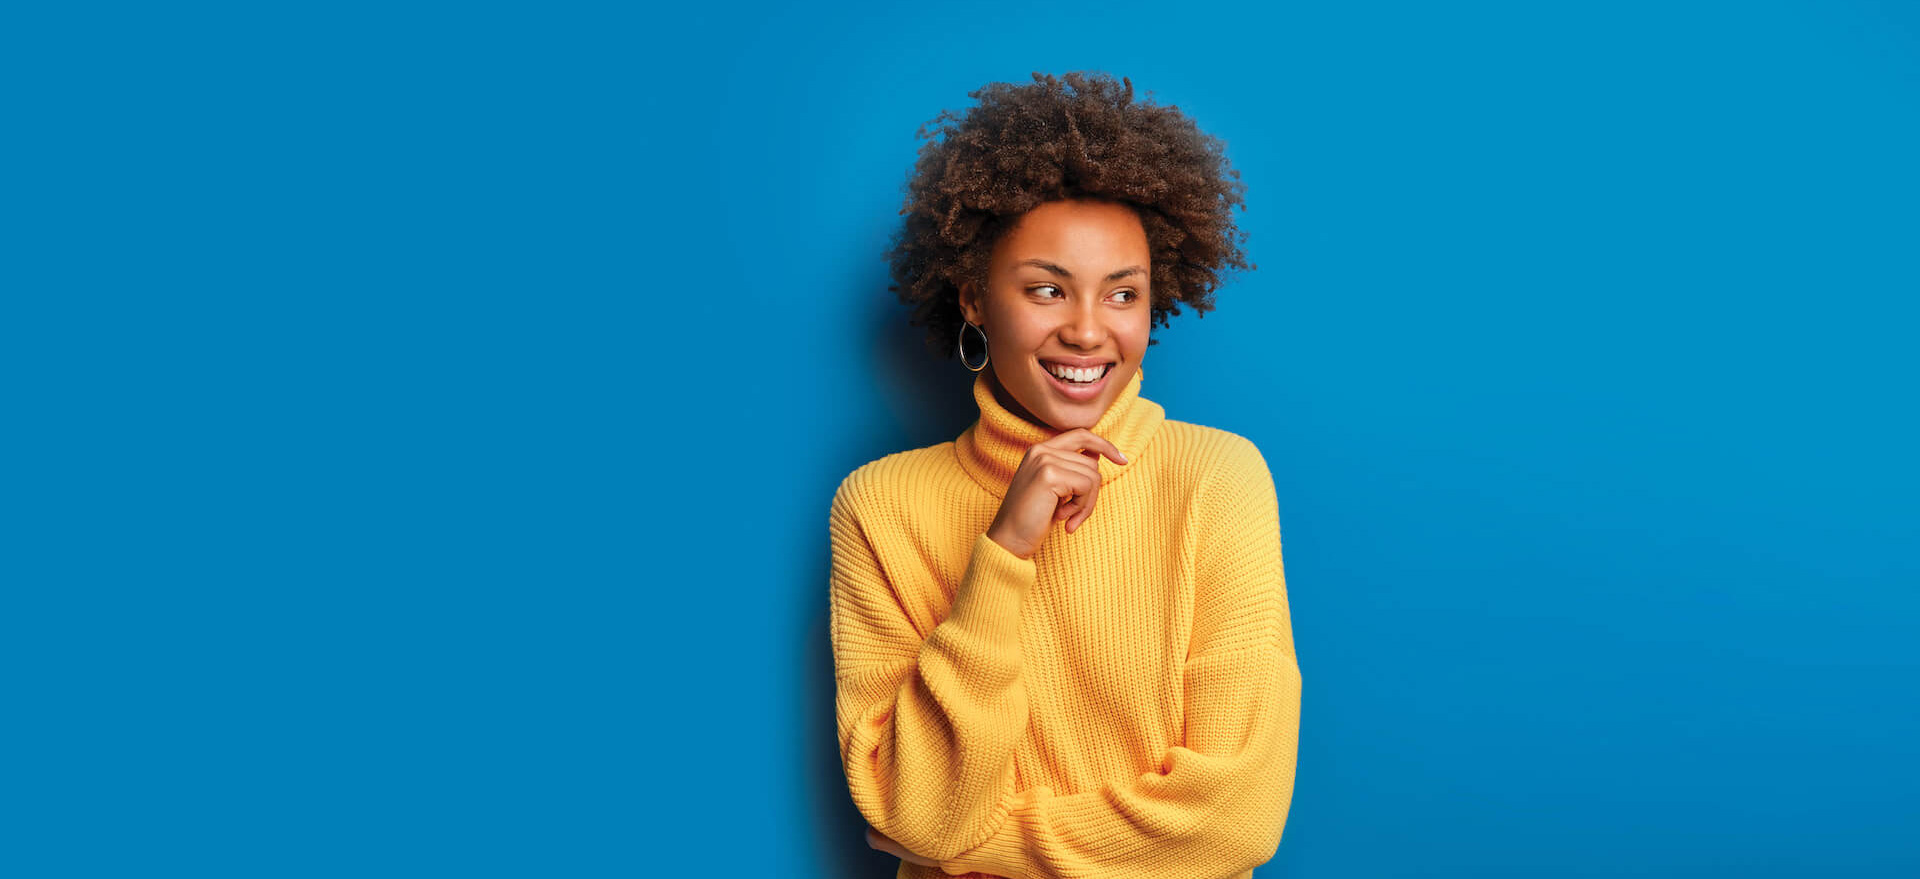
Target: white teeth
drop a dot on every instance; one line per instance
(1088, 375)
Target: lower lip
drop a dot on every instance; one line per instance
(1081, 393)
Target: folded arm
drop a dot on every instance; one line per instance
(927, 726)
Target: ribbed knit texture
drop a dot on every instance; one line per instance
(1126, 703)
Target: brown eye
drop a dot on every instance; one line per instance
(1046, 287)
(1132, 296)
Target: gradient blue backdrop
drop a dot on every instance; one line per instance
(423, 420)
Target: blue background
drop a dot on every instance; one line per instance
(422, 421)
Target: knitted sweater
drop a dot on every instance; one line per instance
(1125, 703)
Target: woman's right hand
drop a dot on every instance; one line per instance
(1059, 478)
(881, 842)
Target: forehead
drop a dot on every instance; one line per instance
(1091, 234)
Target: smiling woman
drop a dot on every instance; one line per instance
(1025, 687)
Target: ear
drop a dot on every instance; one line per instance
(969, 302)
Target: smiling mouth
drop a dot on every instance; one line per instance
(1080, 391)
(1077, 376)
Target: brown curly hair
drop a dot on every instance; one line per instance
(1078, 137)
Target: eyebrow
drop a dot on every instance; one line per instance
(1055, 268)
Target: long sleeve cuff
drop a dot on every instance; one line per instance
(987, 603)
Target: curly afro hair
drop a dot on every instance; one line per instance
(1078, 137)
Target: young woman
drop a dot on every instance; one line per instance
(1061, 641)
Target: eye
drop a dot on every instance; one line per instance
(1131, 295)
(1044, 287)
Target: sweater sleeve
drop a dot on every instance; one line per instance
(927, 726)
(1217, 803)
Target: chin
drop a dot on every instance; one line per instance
(1068, 417)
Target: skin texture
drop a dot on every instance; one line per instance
(1069, 280)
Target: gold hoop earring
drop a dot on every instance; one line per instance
(962, 345)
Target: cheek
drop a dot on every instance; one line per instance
(1134, 337)
(1016, 336)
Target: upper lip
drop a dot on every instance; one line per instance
(1077, 362)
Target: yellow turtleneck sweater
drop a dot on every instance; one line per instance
(1125, 703)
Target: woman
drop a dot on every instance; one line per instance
(1061, 641)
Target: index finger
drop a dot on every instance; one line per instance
(1083, 440)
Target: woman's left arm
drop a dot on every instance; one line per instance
(1219, 801)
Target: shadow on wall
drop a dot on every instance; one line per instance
(929, 397)
(930, 401)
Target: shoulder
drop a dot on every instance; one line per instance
(1233, 504)
(888, 480)
(1210, 454)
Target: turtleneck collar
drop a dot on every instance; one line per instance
(990, 450)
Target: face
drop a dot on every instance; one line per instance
(1067, 287)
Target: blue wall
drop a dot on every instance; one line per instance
(424, 421)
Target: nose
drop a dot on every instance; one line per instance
(1084, 327)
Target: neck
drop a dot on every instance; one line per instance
(1005, 399)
